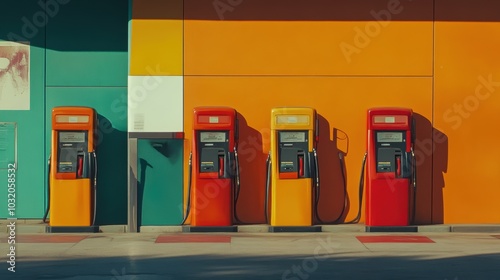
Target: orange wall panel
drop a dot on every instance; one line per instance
(467, 103)
(309, 38)
(341, 104)
(306, 48)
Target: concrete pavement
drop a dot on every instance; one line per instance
(326, 255)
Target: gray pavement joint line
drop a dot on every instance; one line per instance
(65, 251)
(365, 246)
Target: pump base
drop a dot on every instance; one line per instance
(391, 229)
(209, 229)
(295, 229)
(91, 229)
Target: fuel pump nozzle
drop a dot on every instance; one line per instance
(221, 162)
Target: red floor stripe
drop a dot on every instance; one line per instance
(188, 238)
(394, 239)
(48, 238)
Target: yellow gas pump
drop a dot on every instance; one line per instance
(292, 169)
(72, 170)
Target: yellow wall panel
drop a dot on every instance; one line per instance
(467, 102)
(341, 104)
(156, 48)
(308, 48)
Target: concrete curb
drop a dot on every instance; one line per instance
(434, 228)
(113, 229)
(343, 228)
(160, 229)
(253, 228)
(475, 228)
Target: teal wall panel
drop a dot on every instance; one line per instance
(25, 21)
(87, 44)
(79, 57)
(160, 188)
(111, 144)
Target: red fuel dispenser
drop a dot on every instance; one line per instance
(214, 167)
(390, 166)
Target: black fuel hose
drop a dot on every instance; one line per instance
(188, 207)
(236, 182)
(316, 179)
(268, 183)
(344, 187)
(361, 189)
(414, 183)
(48, 194)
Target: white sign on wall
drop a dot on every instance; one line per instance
(14, 76)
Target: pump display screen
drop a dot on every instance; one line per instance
(212, 137)
(292, 137)
(72, 137)
(393, 137)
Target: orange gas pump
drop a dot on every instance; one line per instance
(72, 170)
(214, 167)
(292, 171)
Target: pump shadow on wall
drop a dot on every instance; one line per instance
(111, 190)
(440, 167)
(141, 183)
(334, 201)
(252, 160)
(431, 155)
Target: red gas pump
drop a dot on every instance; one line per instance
(390, 168)
(215, 170)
